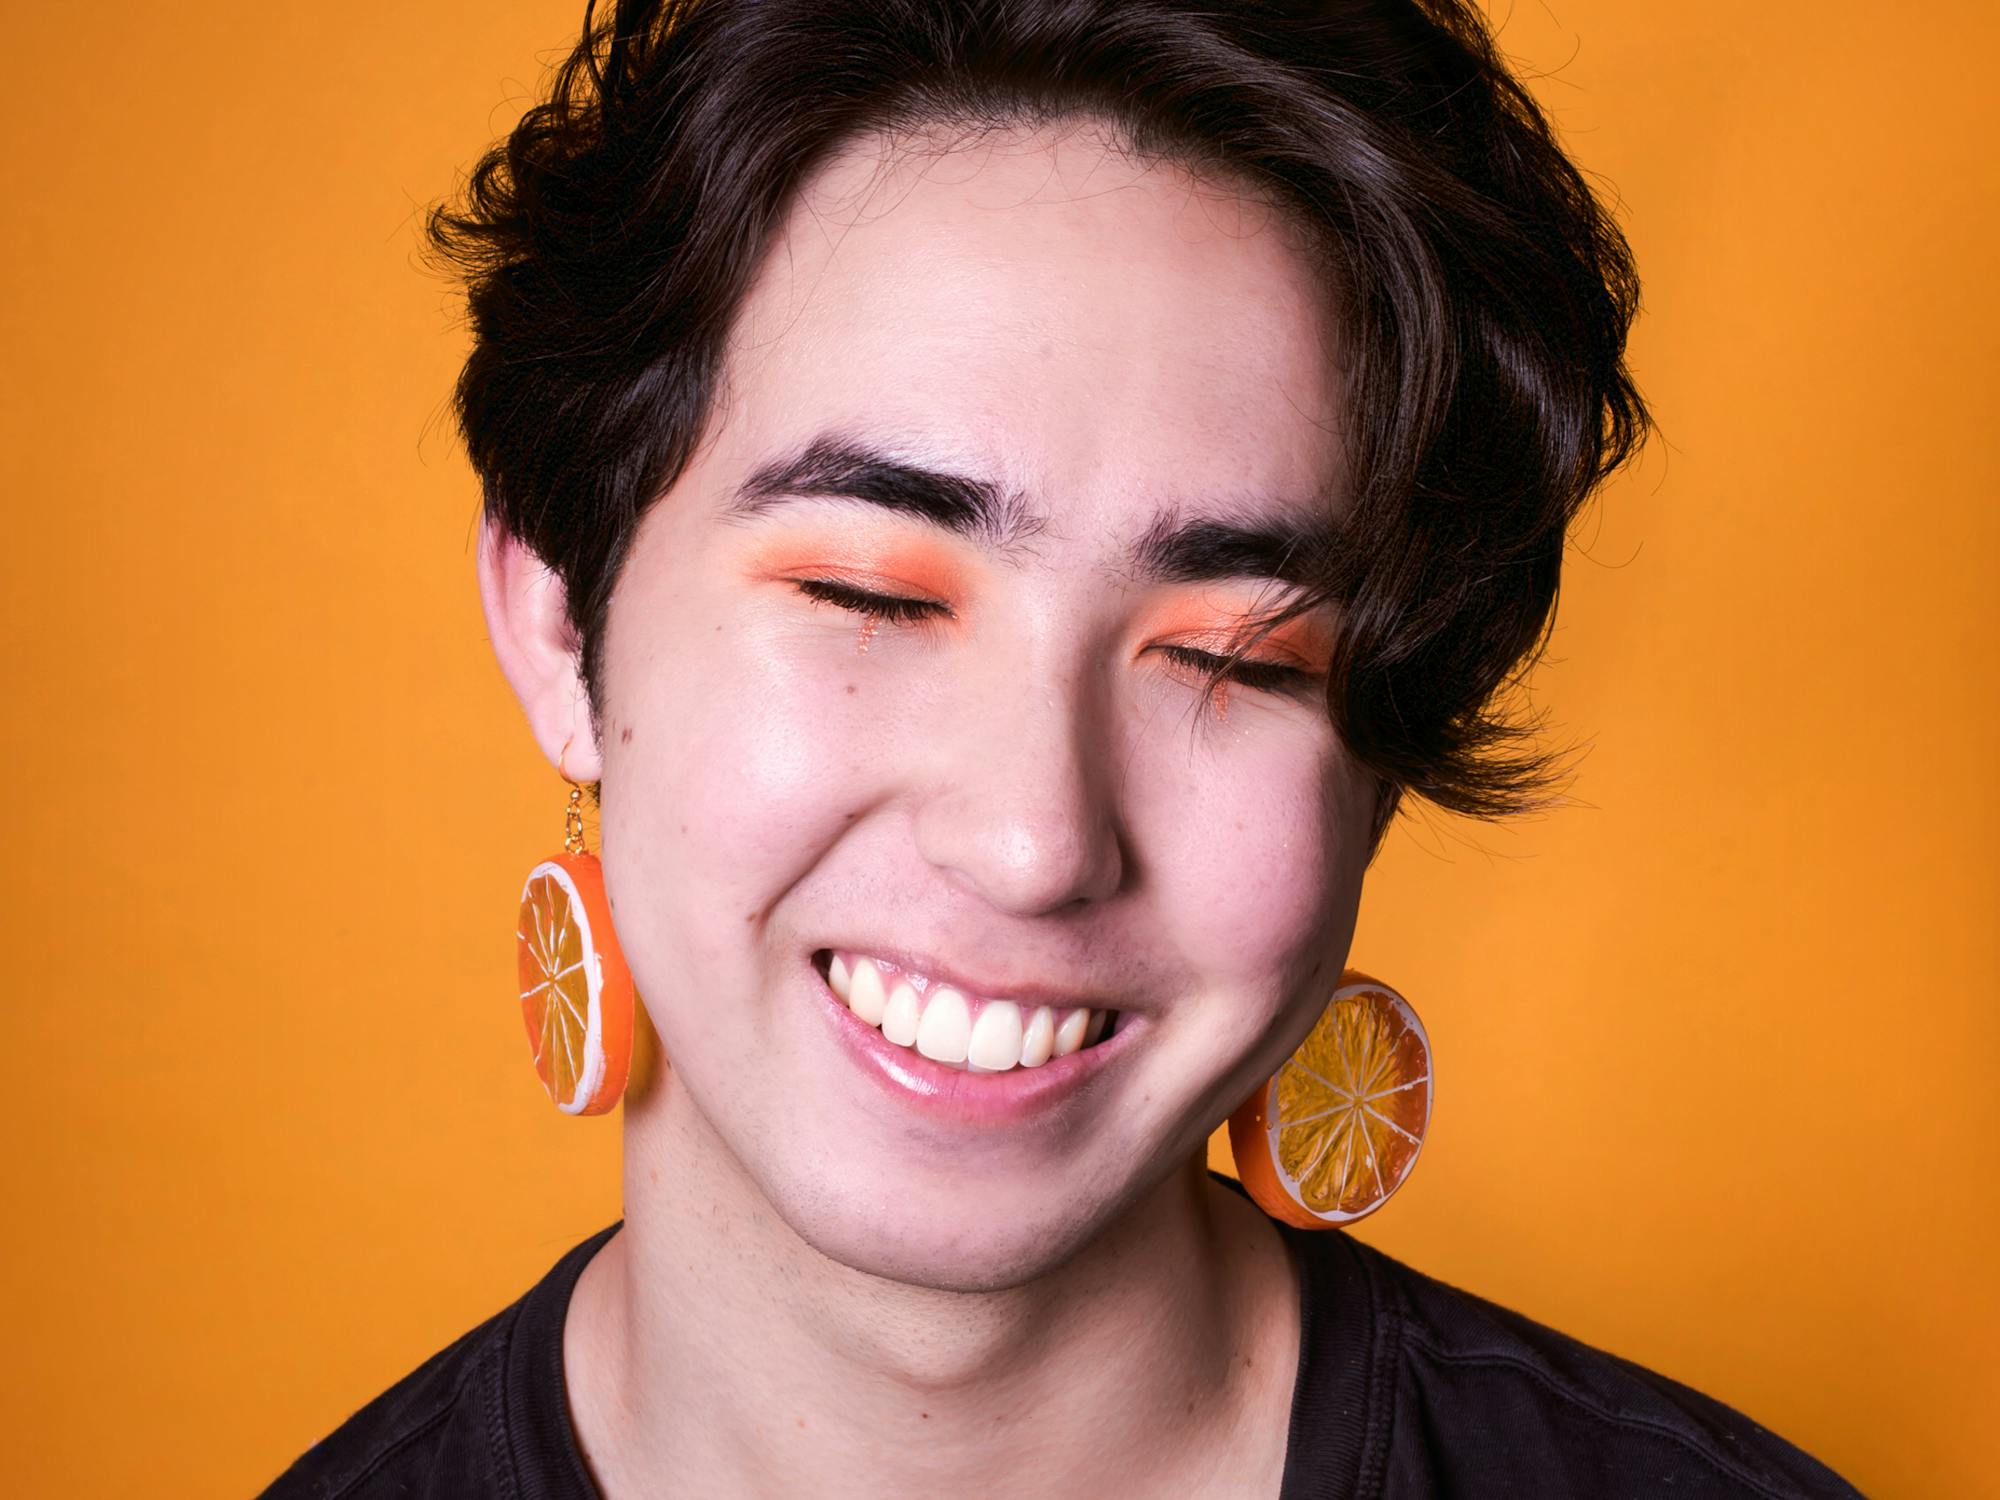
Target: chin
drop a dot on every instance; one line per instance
(958, 1235)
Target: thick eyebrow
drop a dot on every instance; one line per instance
(836, 467)
(1172, 549)
(1206, 549)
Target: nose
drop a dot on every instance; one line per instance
(1022, 802)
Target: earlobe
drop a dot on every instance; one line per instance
(534, 641)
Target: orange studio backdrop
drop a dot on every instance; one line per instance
(1715, 1045)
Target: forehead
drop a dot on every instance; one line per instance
(1036, 306)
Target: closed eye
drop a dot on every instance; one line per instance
(1270, 676)
(894, 607)
(901, 609)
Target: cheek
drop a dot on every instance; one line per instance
(1260, 862)
(730, 780)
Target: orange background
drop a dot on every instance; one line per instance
(1716, 1046)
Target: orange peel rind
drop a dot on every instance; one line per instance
(576, 993)
(1337, 1128)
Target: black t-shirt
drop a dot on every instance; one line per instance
(1406, 1387)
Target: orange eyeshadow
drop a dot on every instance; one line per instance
(879, 565)
(1207, 623)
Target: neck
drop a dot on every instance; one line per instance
(711, 1350)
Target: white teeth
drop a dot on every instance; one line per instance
(996, 1037)
(942, 1026)
(864, 996)
(900, 1017)
(1038, 1042)
(946, 1029)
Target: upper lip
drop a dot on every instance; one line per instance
(1025, 991)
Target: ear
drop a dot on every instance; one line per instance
(527, 620)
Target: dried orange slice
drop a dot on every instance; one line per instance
(1338, 1126)
(576, 993)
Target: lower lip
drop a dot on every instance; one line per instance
(960, 1095)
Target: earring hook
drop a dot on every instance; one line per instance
(573, 842)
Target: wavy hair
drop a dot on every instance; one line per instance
(1485, 293)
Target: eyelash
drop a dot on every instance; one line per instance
(1267, 676)
(1270, 676)
(891, 607)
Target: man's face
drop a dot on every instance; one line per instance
(1016, 787)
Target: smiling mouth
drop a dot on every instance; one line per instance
(976, 1033)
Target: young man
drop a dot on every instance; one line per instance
(897, 422)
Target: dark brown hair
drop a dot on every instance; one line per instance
(1485, 293)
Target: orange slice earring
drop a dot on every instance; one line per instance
(576, 993)
(1337, 1129)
